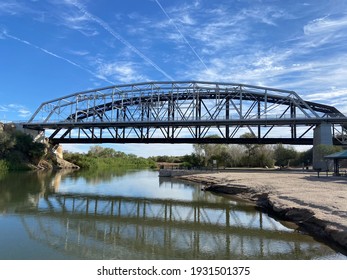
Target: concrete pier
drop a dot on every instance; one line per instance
(322, 135)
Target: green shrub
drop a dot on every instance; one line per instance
(107, 158)
(3, 166)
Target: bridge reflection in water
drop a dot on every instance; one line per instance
(117, 227)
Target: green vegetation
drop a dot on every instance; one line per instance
(17, 150)
(107, 158)
(247, 155)
(324, 150)
(222, 155)
(3, 166)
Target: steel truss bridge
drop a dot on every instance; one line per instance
(185, 112)
(109, 227)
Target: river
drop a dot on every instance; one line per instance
(134, 214)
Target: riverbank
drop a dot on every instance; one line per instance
(317, 205)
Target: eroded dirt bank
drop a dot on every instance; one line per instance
(317, 205)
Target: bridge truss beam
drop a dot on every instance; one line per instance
(183, 112)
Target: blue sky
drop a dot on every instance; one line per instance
(51, 48)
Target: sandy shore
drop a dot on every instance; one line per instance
(317, 205)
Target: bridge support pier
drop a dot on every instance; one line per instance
(37, 135)
(322, 135)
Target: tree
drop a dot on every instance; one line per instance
(95, 151)
(225, 155)
(207, 152)
(191, 160)
(17, 149)
(283, 155)
(7, 142)
(325, 150)
(249, 160)
(256, 155)
(3, 166)
(265, 156)
(235, 155)
(305, 158)
(320, 151)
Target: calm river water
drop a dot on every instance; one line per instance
(136, 215)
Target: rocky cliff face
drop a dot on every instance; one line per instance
(54, 159)
(58, 163)
(64, 164)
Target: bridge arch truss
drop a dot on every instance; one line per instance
(184, 112)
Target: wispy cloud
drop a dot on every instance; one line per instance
(7, 35)
(222, 26)
(12, 7)
(116, 35)
(16, 109)
(124, 72)
(233, 43)
(79, 22)
(78, 52)
(18, 8)
(263, 14)
(333, 94)
(324, 31)
(325, 25)
(3, 108)
(235, 50)
(187, 20)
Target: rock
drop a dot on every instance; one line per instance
(63, 164)
(299, 215)
(227, 189)
(59, 152)
(44, 164)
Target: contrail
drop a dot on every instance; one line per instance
(104, 25)
(179, 31)
(5, 34)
